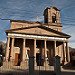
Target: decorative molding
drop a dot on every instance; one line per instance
(35, 36)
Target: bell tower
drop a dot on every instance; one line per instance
(52, 15)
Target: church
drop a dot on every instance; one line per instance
(46, 40)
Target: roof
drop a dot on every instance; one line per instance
(23, 21)
(52, 7)
(40, 26)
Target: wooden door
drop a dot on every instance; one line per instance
(16, 59)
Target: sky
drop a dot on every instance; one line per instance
(29, 10)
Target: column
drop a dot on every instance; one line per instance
(35, 48)
(45, 54)
(12, 48)
(23, 62)
(7, 49)
(35, 52)
(45, 48)
(55, 52)
(67, 53)
(63, 52)
(23, 50)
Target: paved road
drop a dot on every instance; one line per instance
(22, 71)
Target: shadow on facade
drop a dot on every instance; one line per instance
(68, 66)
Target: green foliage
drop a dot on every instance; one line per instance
(2, 48)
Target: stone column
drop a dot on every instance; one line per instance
(35, 48)
(35, 52)
(23, 50)
(12, 48)
(45, 48)
(63, 52)
(23, 62)
(45, 54)
(7, 49)
(67, 53)
(55, 52)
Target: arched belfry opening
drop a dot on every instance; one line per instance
(54, 18)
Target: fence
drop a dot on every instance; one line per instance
(15, 70)
(33, 66)
(44, 67)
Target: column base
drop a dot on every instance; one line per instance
(24, 63)
(5, 63)
(35, 63)
(65, 63)
(46, 62)
(8, 63)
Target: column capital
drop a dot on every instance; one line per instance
(12, 37)
(54, 40)
(24, 38)
(66, 41)
(63, 41)
(8, 37)
(45, 40)
(34, 39)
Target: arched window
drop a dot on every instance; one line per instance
(53, 19)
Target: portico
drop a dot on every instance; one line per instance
(47, 48)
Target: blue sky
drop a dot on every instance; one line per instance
(30, 9)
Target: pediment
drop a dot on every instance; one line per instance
(39, 31)
(36, 31)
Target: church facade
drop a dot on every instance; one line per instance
(34, 38)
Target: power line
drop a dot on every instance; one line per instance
(67, 27)
(71, 18)
(66, 7)
(68, 24)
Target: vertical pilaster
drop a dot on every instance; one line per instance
(12, 48)
(67, 53)
(51, 15)
(58, 16)
(7, 49)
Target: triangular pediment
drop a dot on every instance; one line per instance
(40, 30)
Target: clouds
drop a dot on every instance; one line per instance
(72, 44)
(30, 9)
